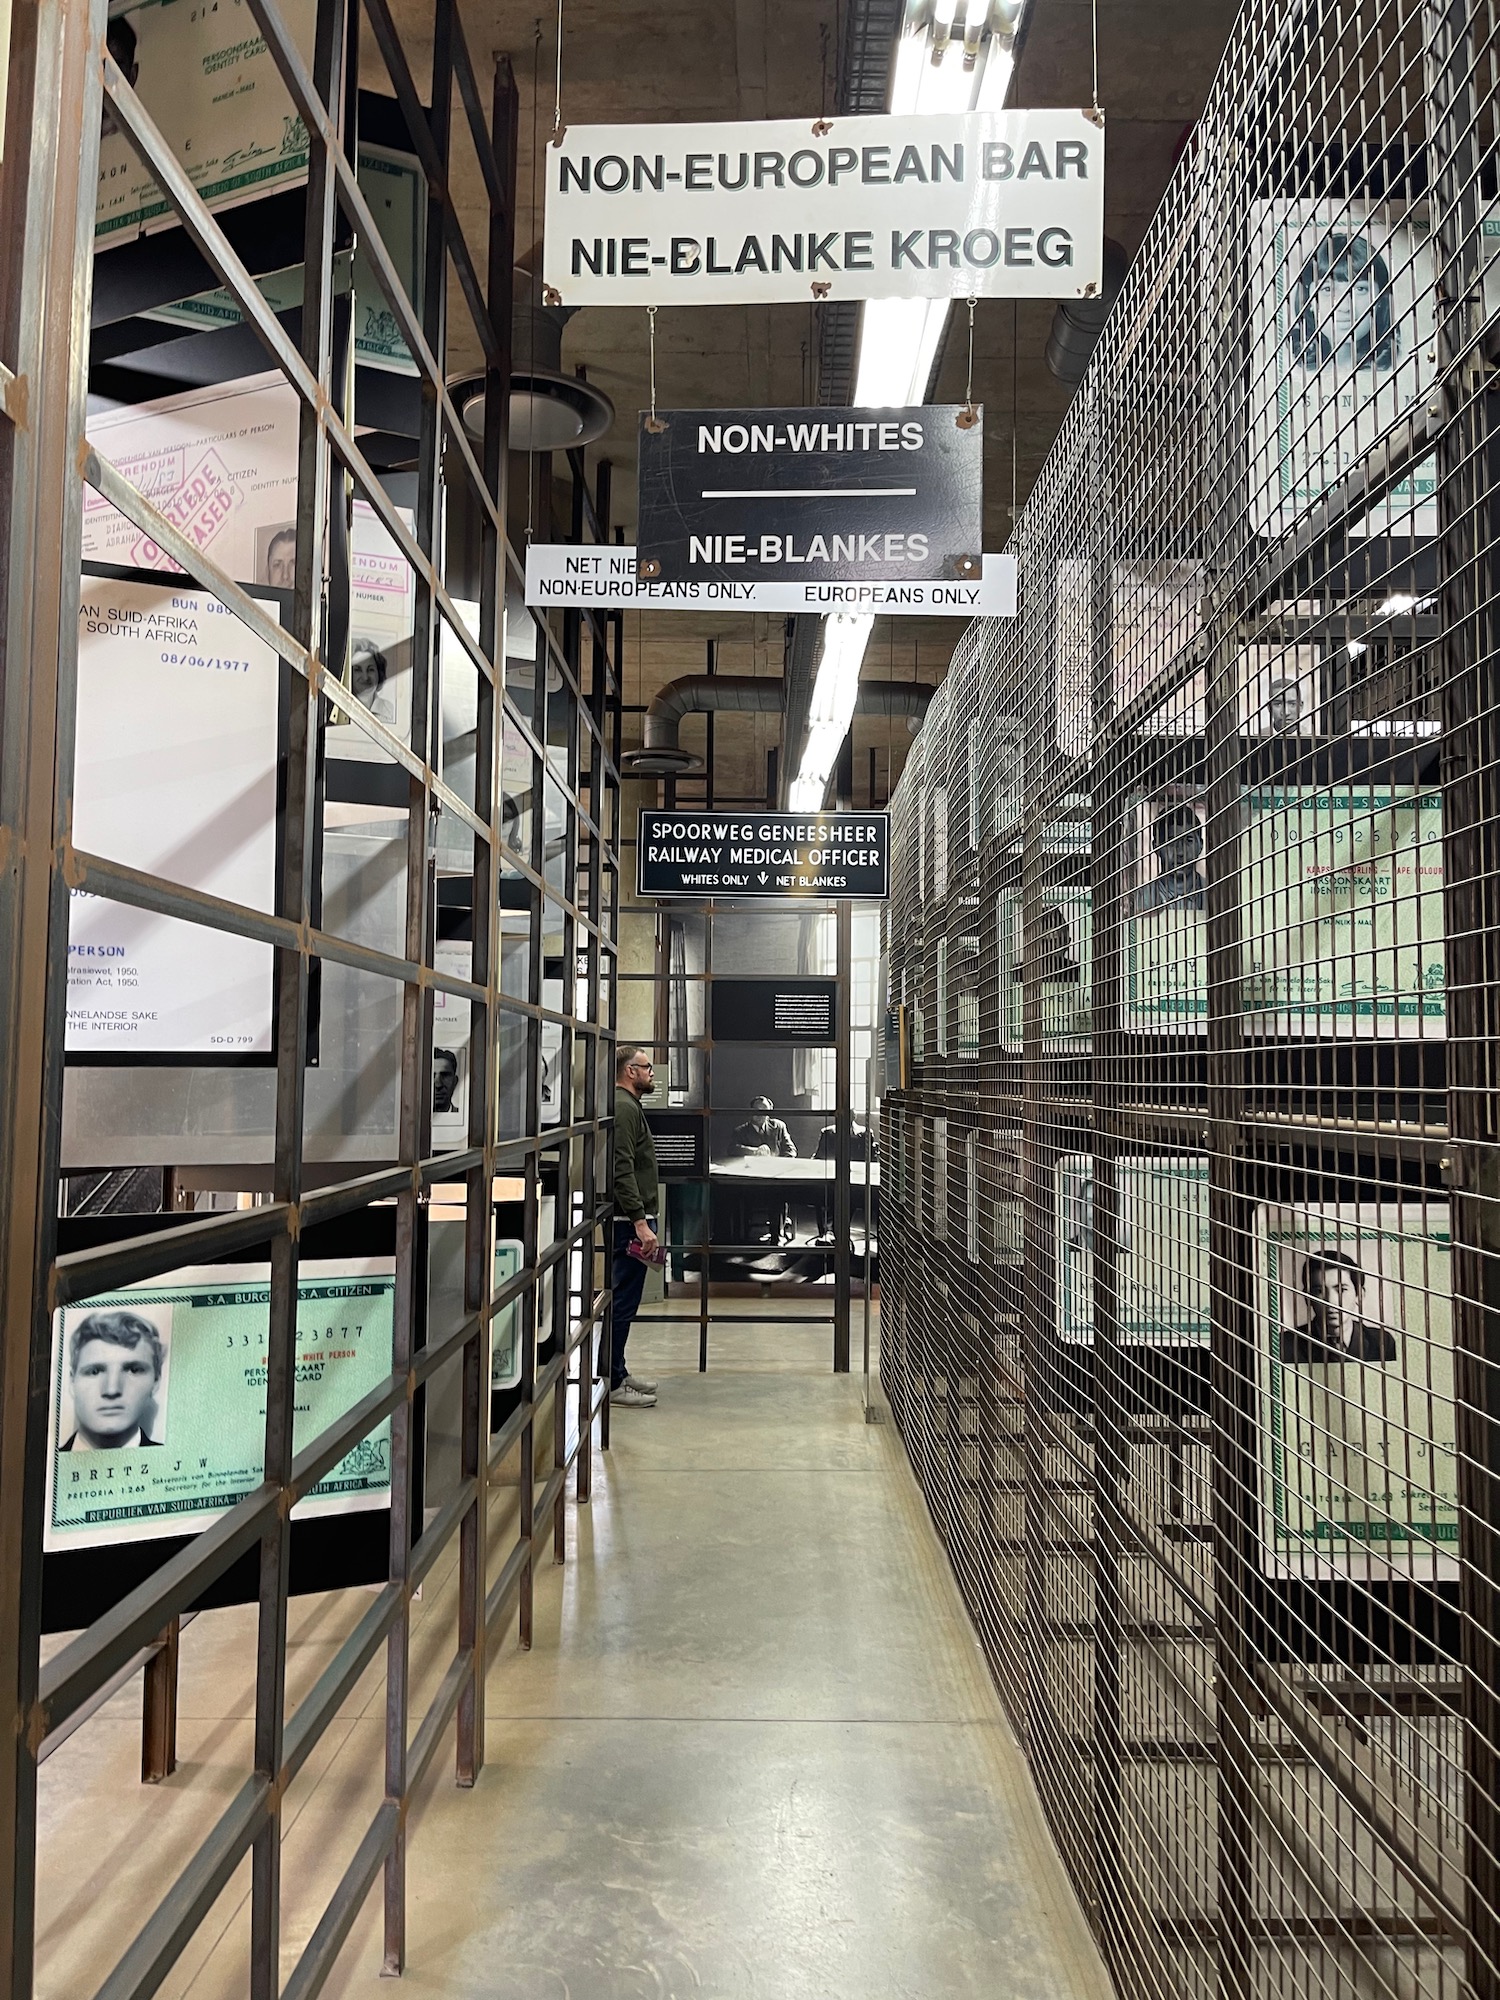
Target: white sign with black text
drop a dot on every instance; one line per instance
(1006, 204)
(605, 579)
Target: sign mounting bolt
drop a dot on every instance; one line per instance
(649, 570)
(821, 288)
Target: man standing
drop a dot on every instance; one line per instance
(636, 1187)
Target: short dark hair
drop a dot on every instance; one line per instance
(1173, 822)
(120, 1329)
(1331, 1260)
(446, 1055)
(625, 1057)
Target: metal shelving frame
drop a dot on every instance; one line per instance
(60, 77)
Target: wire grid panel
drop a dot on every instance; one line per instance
(1189, 1254)
(542, 891)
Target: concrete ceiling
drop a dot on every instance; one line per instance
(629, 61)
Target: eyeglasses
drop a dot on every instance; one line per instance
(641, 1065)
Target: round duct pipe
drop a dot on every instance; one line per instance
(661, 755)
(1078, 323)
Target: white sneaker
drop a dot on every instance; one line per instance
(646, 1388)
(631, 1396)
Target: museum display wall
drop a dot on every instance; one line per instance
(308, 977)
(1189, 1134)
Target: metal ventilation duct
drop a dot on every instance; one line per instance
(1078, 323)
(661, 754)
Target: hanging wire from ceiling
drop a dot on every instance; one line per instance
(557, 124)
(653, 422)
(1015, 405)
(533, 464)
(968, 416)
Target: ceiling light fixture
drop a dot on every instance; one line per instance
(899, 338)
(835, 691)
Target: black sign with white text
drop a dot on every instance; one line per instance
(777, 854)
(809, 496)
(681, 1142)
(775, 1010)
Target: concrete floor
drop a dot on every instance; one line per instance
(753, 1751)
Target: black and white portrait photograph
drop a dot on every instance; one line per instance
(1171, 842)
(1334, 1312)
(370, 679)
(1342, 307)
(276, 555)
(1279, 691)
(447, 1092)
(114, 1378)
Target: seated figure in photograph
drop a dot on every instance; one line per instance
(762, 1136)
(761, 1133)
(114, 1373)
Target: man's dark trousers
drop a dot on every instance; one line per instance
(627, 1281)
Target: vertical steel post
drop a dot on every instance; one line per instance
(486, 949)
(292, 972)
(1111, 1401)
(47, 190)
(843, 1092)
(414, 1116)
(1468, 457)
(159, 1708)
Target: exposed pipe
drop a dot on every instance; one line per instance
(1078, 323)
(661, 754)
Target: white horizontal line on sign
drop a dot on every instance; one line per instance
(806, 492)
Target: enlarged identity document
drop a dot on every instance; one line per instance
(220, 463)
(1166, 902)
(392, 185)
(158, 1403)
(1342, 346)
(1162, 1273)
(207, 79)
(1359, 1470)
(1342, 910)
(1061, 964)
(174, 773)
(505, 1327)
(1341, 896)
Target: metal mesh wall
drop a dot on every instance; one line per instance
(1191, 1243)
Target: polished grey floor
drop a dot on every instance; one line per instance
(753, 1752)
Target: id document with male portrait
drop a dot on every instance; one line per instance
(1359, 1471)
(1341, 895)
(158, 1397)
(1162, 1243)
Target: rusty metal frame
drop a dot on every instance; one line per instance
(60, 75)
